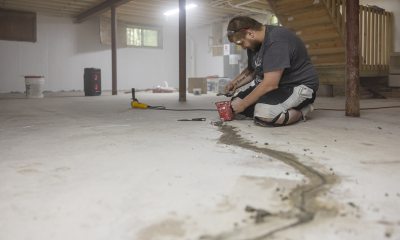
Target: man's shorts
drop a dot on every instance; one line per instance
(278, 101)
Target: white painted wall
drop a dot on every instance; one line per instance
(205, 63)
(64, 49)
(390, 6)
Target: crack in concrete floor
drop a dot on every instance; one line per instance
(303, 198)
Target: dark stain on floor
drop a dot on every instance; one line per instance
(303, 198)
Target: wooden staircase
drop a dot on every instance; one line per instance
(321, 25)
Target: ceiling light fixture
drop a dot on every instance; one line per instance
(175, 11)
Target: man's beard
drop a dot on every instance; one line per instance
(254, 45)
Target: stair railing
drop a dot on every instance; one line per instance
(376, 38)
(376, 33)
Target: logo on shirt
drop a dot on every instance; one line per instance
(258, 68)
(257, 61)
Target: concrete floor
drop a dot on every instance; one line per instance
(92, 168)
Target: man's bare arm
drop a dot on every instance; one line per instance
(242, 79)
(269, 83)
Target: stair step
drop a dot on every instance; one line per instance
(324, 51)
(329, 65)
(304, 15)
(328, 58)
(305, 18)
(297, 7)
(318, 37)
(308, 22)
(294, 3)
(317, 33)
(286, 2)
(317, 29)
(329, 43)
(330, 74)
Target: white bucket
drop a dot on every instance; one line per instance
(34, 86)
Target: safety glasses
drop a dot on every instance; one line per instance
(230, 33)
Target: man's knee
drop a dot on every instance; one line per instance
(270, 115)
(268, 111)
(280, 120)
(275, 115)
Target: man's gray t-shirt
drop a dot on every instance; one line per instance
(282, 49)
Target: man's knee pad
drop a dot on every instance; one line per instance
(267, 111)
(299, 95)
(267, 115)
(273, 122)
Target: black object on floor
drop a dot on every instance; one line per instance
(92, 81)
(192, 119)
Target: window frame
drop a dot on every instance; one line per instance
(18, 25)
(141, 27)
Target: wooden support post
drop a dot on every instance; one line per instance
(182, 51)
(114, 50)
(353, 60)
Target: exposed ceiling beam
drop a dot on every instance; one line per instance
(98, 9)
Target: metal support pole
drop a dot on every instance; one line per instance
(182, 51)
(114, 50)
(353, 59)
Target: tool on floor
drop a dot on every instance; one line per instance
(192, 119)
(225, 110)
(135, 102)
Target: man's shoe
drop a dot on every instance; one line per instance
(305, 111)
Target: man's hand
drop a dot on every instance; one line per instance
(242, 79)
(230, 87)
(238, 105)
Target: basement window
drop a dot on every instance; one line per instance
(17, 25)
(144, 37)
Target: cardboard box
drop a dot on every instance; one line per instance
(200, 82)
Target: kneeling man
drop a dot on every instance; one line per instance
(285, 81)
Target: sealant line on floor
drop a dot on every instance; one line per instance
(303, 197)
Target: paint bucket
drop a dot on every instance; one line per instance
(225, 110)
(34, 86)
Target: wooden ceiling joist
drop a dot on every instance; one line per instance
(98, 9)
(146, 12)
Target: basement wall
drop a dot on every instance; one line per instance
(205, 64)
(63, 49)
